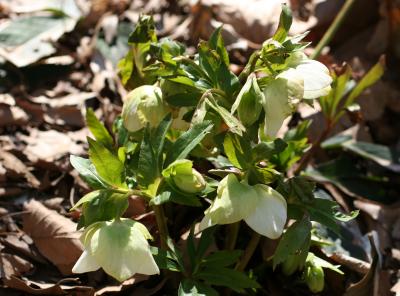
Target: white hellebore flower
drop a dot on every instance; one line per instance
(144, 105)
(304, 79)
(120, 247)
(260, 206)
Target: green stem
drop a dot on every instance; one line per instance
(248, 253)
(332, 28)
(162, 225)
(249, 68)
(233, 231)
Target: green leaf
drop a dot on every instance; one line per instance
(222, 258)
(126, 67)
(380, 154)
(323, 263)
(148, 170)
(187, 141)
(327, 212)
(265, 150)
(217, 43)
(86, 198)
(108, 166)
(298, 189)
(164, 259)
(144, 31)
(103, 205)
(222, 276)
(348, 177)
(235, 126)
(98, 130)
(88, 172)
(190, 287)
(263, 175)
(238, 150)
(176, 197)
(158, 138)
(285, 21)
(373, 75)
(294, 241)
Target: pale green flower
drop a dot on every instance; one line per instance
(120, 247)
(182, 175)
(304, 79)
(260, 206)
(144, 105)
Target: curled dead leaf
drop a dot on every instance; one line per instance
(54, 235)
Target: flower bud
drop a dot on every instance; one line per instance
(120, 247)
(248, 102)
(290, 265)
(314, 277)
(181, 175)
(143, 105)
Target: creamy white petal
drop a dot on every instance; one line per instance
(316, 77)
(122, 250)
(85, 263)
(205, 222)
(281, 98)
(234, 202)
(269, 217)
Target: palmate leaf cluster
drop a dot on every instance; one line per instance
(203, 132)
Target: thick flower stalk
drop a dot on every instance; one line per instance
(120, 247)
(260, 206)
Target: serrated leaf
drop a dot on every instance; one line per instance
(88, 172)
(293, 241)
(98, 130)
(187, 141)
(108, 166)
(327, 212)
(235, 126)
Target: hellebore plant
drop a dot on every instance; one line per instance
(193, 134)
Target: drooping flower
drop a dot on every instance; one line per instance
(144, 105)
(260, 206)
(120, 247)
(183, 176)
(303, 79)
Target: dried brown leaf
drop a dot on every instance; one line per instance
(54, 235)
(16, 167)
(49, 146)
(11, 264)
(36, 288)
